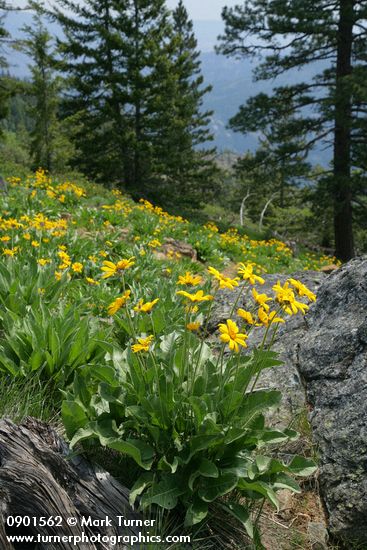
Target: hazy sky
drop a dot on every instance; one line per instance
(198, 9)
(205, 9)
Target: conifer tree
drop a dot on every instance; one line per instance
(49, 148)
(330, 107)
(92, 57)
(147, 29)
(188, 167)
(280, 151)
(5, 84)
(136, 92)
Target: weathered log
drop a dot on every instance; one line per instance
(40, 477)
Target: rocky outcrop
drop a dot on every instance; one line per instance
(332, 359)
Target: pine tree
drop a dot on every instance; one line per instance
(298, 34)
(6, 88)
(147, 29)
(47, 143)
(189, 171)
(280, 151)
(136, 91)
(92, 57)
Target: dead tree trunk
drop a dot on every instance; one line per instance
(40, 477)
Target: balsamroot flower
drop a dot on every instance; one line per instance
(267, 319)
(286, 298)
(110, 269)
(224, 282)
(118, 303)
(189, 279)
(246, 316)
(197, 297)
(247, 272)
(302, 290)
(77, 267)
(145, 307)
(193, 327)
(142, 345)
(261, 299)
(230, 334)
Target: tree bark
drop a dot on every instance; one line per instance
(342, 189)
(39, 477)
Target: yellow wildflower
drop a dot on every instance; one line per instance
(246, 316)
(91, 281)
(145, 307)
(189, 279)
(191, 309)
(231, 335)
(155, 243)
(10, 251)
(5, 239)
(224, 282)
(142, 345)
(43, 261)
(77, 267)
(261, 299)
(302, 290)
(194, 326)
(26, 236)
(110, 269)
(35, 244)
(266, 319)
(247, 272)
(197, 297)
(286, 298)
(118, 303)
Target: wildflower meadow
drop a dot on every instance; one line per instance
(108, 339)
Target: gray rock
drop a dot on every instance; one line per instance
(318, 536)
(286, 377)
(333, 362)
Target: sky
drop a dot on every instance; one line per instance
(204, 9)
(198, 9)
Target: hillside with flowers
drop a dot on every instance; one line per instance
(105, 333)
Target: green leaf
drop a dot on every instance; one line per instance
(73, 417)
(241, 513)
(144, 481)
(211, 489)
(142, 453)
(196, 513)
(261, 488)
(165, 494)
(258, 402)
(36, 360)
(165, 465)
(201, 442)
(205, 469)
(168, 342)
(283, 481)
(301, 466)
